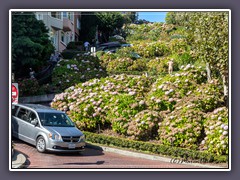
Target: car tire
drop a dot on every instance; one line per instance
(41, 144)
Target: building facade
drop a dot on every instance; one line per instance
(64, 27)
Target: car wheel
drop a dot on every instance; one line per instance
(41, 144)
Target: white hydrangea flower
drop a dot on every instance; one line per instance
(171, 90)
(225, 128)
(167, 93)
(170, 100)
(132, 93)
(142, 102)
(225, 133)
(211, 127)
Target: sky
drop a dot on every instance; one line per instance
(152, 16)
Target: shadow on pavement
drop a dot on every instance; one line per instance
(96, 163)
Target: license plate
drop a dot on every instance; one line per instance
(71, 146)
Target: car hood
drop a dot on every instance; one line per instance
(64, 131)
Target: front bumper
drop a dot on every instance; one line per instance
(60, 146)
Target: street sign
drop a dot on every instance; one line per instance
(15, 93)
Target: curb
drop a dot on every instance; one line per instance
(18, 160)
(148, 156)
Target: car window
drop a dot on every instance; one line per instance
(14, 109)
(55, 119)
(23, 114)
(32, 116)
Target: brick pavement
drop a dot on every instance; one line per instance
(90, 158)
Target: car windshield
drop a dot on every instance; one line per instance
(55, 119)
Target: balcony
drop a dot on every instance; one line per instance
(67, 25)
(56, 23)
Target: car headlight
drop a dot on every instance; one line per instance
(82, 138)
(55, 137)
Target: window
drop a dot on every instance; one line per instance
(56, 15)
(78, 24)
(65, 14)
(55, 119)
(70, 16)
(62, 37)
(14, 109)
(39, 16)
(32, 116)
(23, 114)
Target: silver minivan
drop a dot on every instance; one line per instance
(46, 128)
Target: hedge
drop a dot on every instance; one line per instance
(69, 53)
(153, 148)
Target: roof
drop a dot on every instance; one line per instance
(40, 108)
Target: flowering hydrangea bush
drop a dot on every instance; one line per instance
(182, 127)
(216, 130)
(171, 109)
(167, 91)
(111, 100)
(119, 64)
(153, 32)
(209, 96)
(151, 49)
(144, 125)
(179, 46)
(79, 69)
(122, 109)
(160, 65)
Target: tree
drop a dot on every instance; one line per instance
(130, 17)
(88, 26)
(31, 46)
(170, 18)
(108, 22)
(208, 35)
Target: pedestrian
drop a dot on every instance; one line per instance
(86, 46)
(31, 73)
(170, 66)
(54, 58)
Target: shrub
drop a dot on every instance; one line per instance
(209, 96)
(182, 127)
(154, 148)
(70, 53)
(104, 101)
(216, 130)
(153, 49)
(122, 109)
(144, 125)
(160, 65)
(170, 89)
(75, 45)
(119, 64)
(80, 69)
(25, 90)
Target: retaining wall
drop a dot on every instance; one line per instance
(42, 99)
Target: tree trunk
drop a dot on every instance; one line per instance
(208, 72)
(225, 85)
(225, 88)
